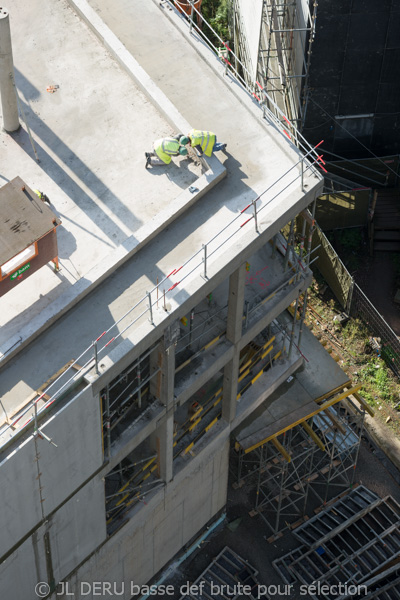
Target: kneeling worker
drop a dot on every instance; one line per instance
(165, 148)
(205, 142)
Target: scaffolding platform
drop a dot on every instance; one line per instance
(295, 400)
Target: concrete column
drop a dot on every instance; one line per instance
(165, 438)
(165, 441)
(7, 91)
(235, 304)
(233, 333)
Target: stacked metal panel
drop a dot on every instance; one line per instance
(353, 539)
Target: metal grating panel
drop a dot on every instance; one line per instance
(222, 577)
(339, 512)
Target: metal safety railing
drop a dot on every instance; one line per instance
(255, 89)
(198, 262)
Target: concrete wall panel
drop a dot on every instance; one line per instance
(24, 569)
(20, 500)
(77, 528)
(251, 14)
(76, 431)
(159, 529)
(168, 539)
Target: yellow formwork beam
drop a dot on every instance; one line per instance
(213, 341)
(364, 404)
(268, 350)
(257, 376)
(277, 355)
(313, 436)
(320, 408)
(243, 375)
(339, 388)
(281, 449)
(186, 450)
(211, 424)
(193, 425)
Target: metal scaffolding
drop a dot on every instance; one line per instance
(286, 36)
(318, 455)
(340, 428)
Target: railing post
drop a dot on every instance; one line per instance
(139, 386)
(255, 214)
(150, 307)
(96, 361)
(191, 15)
(293, 327)
(205, 261)
(108, 423)
(191, 328)
(302, 174)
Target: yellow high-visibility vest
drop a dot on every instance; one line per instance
(165, 148)
(204, 139)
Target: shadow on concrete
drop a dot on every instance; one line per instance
(178, 171)
(68, 157)
(120, 291)
(66, 242)
(66, 218)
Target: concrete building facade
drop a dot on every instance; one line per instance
(124, 461)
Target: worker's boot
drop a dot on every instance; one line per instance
(148, 159)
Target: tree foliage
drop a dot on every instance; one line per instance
(216, 13)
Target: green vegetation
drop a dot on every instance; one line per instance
(352, 342)
(216, 13)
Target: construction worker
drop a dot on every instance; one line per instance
(205, 142)
(165, 148)
(43, 197)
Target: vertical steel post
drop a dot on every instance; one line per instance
(96, 360)
(254, 202)
(191, 16)
(108, 424)
(138, 371)
(302, 174)
(309, 241)
(191, 327)
(293, 327)
(260, 469)
(151, 308)
(205, 261)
